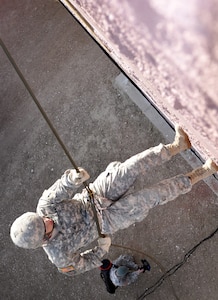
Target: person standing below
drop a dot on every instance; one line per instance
(64, 223)
(121, 272)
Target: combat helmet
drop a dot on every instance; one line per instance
(28, 231)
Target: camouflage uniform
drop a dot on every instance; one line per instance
(75, 226)
(130, 277)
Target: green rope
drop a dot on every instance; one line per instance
(38, 104)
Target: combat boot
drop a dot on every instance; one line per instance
(208, 169)
(180, 143)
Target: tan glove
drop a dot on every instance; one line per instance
(78, 178)
(104, 243)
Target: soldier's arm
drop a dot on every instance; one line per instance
(83, 262)
(64, 187)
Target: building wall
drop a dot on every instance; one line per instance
(169, 49)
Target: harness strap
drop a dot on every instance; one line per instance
(91, 197)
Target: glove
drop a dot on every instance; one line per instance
(78, 178)
(104, 243)
(145, 265)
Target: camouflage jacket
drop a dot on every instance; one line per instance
(75, 226)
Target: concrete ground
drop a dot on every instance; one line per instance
(80, 89)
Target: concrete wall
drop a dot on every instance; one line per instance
(169, 50)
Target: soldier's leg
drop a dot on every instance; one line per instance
(118, 177)
(135, 207)
(206, 170)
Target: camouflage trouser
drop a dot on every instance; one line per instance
(118, 178)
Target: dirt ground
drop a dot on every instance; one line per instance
(75, 82)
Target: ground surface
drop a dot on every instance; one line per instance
(74, 81)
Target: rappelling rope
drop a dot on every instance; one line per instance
(91, 196)
(38, 104)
